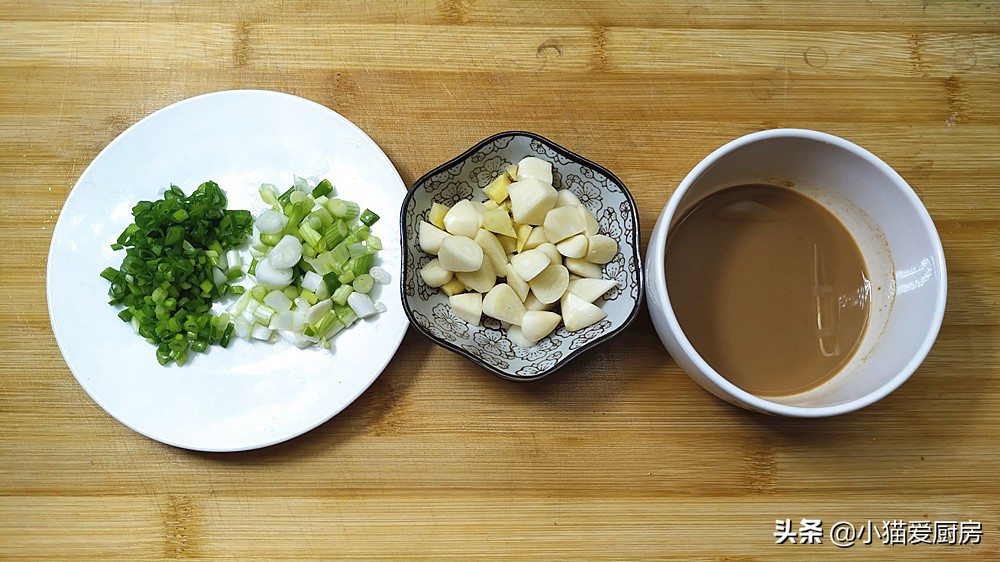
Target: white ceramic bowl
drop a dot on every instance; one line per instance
(896, 236)
(464, 177)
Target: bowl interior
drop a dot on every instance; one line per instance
(896, 237)
(488, 344)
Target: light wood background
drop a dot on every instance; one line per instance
(620, 456)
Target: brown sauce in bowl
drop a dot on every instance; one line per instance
(769, 287)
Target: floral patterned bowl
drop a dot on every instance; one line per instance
(464, 177)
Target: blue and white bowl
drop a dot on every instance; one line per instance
(464, 177)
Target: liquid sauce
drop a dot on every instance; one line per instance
(769, 287)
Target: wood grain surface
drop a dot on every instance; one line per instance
(620, 456)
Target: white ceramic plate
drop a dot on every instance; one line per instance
(248, 395)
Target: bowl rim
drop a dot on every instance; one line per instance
(640, 277)
(658, 243)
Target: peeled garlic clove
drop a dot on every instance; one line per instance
(482, 280)
(536, 324)
(530, 200)
(549, 249)
(467, 306)
(517, 338)
(536, 238)
(433, 274)
(531, 302)
(497, 189)
(509, 244)
(459, 253)
(591, 227)
(498, 221)
(601, 249)
(430, 237)
(591, 289)
(437, 213)
(532, 167)
(515, 281)
(492, 249)
(550, 284)
(577, 313)
(530, 263)
(574, 246)
(562, 222)
(453, 287)
(523, 233)
(583, 268)
(503, 304)
(566, 197)
(464, 218)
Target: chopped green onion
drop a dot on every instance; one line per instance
(262, 314)
(332, 282)
(309, 296)
(369, 217)
(334, 255)
(357, 249)
(268, 193)
(285, 198)
(311, 237)
(336, 233)
(323, 188)
(343, 209)
(359, 265)
(299, 197)
(168, 278)
(271, 239)
(258, 292)
(340, 295)
(363, 283)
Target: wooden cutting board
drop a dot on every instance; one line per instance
(619, 456)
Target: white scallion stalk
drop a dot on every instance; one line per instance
(311, 255)
(282, 320)
(363, 283)
(270, 222)
(234, 261)
(361, 304)
(243, 327)
(218, 276)
(357, 249)
(240, 305)
(286, 253)
(318, 311)
(295, 338)
(271, 277)
(261, 332)
(262, 314)
(278, 301)
(380, 275)
(268, 193)
(312, 281)
(255, 242)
